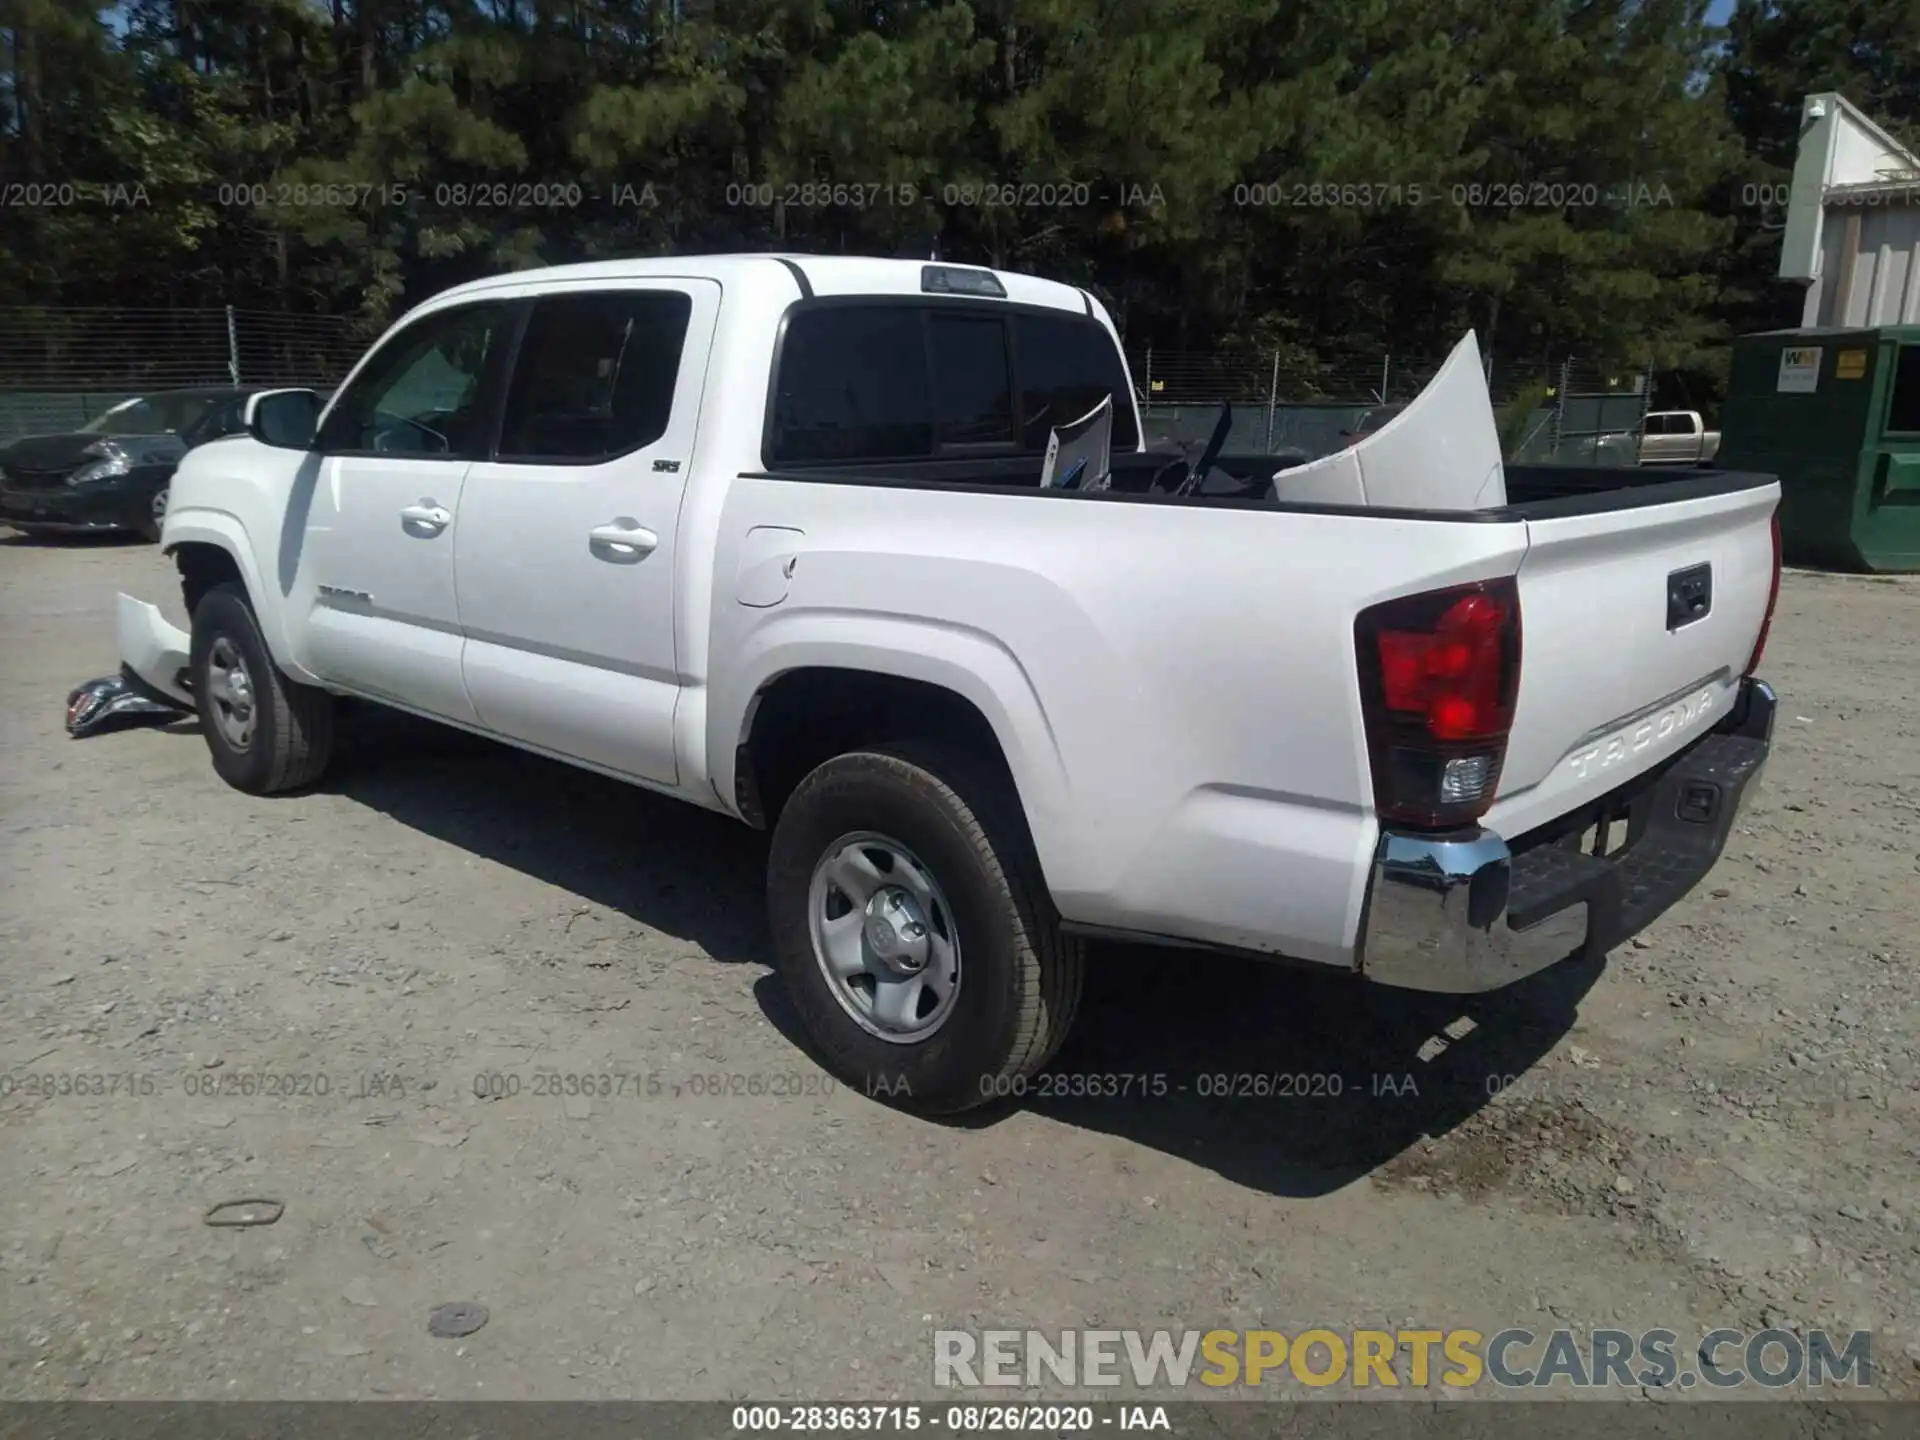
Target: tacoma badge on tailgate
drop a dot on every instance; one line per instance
(1632, 739)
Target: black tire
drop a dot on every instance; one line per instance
(292, 736)
(1020, 975)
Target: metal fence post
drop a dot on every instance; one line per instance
(1273, 399)
(1386, 373)
(1560, 404)
(233, 349)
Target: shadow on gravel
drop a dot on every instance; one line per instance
(1276, 1078)
(1281, 1079)
(672, 867)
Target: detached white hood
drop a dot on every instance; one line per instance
(1441, 453)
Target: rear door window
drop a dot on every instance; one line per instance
(595, 375)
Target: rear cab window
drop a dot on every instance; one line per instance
(860, 382)
(853, 385)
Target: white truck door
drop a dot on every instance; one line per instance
(565, 550)
(379, 531)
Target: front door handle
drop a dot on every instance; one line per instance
(428, 515)
(622, 539)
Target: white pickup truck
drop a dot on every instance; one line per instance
(1677, 437)
(765, 533)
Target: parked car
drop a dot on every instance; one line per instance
(765, 533)
(113, 473)
(1678, 437)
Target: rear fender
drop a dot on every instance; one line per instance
(972, 665)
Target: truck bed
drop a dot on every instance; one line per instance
(1597, 552)
(1534, 492)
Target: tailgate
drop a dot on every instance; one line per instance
(1639, 611)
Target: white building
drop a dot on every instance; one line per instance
(1853, 220)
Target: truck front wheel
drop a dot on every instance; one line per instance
(266, 733)
(913, 930)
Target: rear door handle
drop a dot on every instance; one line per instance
(428, 515)
(622, 539)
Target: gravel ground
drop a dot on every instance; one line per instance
(1718, 1129)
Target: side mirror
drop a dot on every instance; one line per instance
(284, 419)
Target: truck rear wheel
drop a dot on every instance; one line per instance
(913, 930)
(266, 733)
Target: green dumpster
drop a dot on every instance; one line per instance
(1836, 415)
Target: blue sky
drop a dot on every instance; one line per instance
(1718, 11)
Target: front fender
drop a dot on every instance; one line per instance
(225, 531)
(970, 663)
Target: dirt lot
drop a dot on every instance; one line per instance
(1719, 1129)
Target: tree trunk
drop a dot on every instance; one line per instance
(26, 91)
(364, 29)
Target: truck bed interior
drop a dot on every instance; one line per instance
(1245, 481)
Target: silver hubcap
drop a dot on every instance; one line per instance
(159, 505)
(884, 936)
(230, 688)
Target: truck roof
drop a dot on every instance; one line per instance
(823, 275)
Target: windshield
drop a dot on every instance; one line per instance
(150, 415)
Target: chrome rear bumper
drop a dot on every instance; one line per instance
(1466, 911)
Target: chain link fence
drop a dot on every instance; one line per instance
(1570, 411)
(60, 367)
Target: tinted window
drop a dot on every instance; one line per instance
(422, 392)
(1903, 410)
(595, 375)
(853, 386)
(150, 415)
(972, 387)
(219, 420)
(1066, 366)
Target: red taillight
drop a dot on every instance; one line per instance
(1773, 598)
(1439, 674)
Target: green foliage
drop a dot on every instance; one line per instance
(1517, 419)
(1325, 180)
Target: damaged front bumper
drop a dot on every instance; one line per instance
(153, 651)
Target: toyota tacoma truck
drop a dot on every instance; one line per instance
(1678, 437)
(766, 533)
